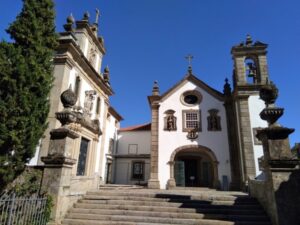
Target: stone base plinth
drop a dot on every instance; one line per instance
(171, 183)
(153, 184)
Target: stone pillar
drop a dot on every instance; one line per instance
(235, 164)
(153, 182)
(281, 197)
(58, 171)
(245, 138)
(171, 182)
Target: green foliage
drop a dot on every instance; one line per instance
(296, 150)
(48, 208)
(25, 82)
(26, 184)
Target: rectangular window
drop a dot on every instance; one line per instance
(81, 167)
(98, 106)
(77, 86)
(111, 146)
(132, 149)
(138, 170)
(191, 120)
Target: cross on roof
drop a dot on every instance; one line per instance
(189, 57)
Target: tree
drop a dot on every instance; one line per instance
(296, 150)
(25, 83)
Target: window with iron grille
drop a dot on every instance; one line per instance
(191, 120)
(82, 159)
(138, 170)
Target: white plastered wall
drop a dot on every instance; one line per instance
(217, 141)
(142, 140)
(256, 105)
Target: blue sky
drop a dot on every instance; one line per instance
(147, 40)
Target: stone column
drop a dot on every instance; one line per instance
(58, 171)
(153, 182)
(171, 182)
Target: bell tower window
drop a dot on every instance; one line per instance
(251, 71)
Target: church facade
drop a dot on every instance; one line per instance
(198, 136)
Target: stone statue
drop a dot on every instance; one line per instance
(88, 102)
(170, 122)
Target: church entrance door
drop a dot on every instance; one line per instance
(193, 169)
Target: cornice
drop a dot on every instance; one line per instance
(69, 45)
(85, 25)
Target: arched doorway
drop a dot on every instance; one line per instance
(193, 166)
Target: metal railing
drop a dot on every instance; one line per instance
(19, 210)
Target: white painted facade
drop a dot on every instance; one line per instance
(133, 146)
(169, 141)
(256, 105)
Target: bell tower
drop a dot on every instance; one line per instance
(250, 64)
(249, 74)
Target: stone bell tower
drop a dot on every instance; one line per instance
(249, 74)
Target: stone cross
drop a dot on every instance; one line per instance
(189, 57)
(97, 15)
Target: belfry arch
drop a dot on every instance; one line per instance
(199, 166)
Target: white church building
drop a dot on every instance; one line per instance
(196, 137)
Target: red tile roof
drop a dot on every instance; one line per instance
(141, 127)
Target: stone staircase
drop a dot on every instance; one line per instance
(135, 205)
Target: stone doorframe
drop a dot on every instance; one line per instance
(193, 149)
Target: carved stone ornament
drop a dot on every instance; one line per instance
(68, 98)
(192, 134)
(269, 93)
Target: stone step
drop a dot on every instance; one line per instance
(179, 200)
(233, 210)
(198, 196)
(87, 219)
(180, 215)
(139, 219)
(119, 187)
(177, 215)
(197, 204)
(97, 222)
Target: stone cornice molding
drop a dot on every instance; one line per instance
(84, 25)
(69, 45)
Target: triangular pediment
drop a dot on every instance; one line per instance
(199, 83)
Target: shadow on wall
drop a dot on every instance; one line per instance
(288, 200)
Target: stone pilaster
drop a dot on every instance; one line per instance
(233, 145)
(245, 138)
(153, 182)
(171, 182)
(58, 171)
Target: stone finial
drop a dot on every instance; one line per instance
(155, 89)
(227, 88)
(248, 40)
(86, 16)
(69, 25)
(68, 98)
(70, 19)
(269, 93)
(190, 70)
(106, 75)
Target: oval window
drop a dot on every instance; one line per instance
(190, 99)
